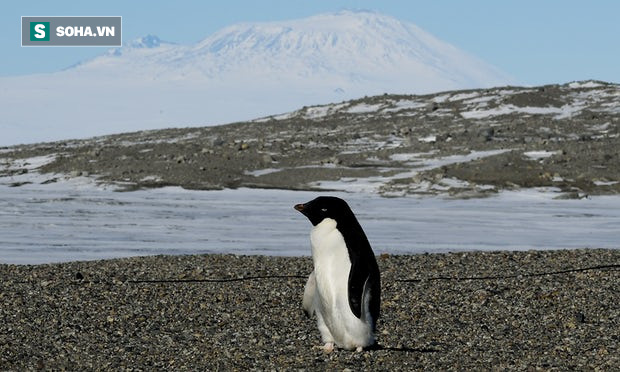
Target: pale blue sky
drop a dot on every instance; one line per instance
(536, 41)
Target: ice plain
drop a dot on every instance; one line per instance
(77, 220)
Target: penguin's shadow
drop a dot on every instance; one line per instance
(402, 349)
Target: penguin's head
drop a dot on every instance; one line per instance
(325, 207)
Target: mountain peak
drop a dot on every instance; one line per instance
(148, 41)
(342, 22)
(348, 17)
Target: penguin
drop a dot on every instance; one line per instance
(344, 290)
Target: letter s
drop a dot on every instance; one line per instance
(60, 31)
(39, 31)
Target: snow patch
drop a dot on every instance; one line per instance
(26, 171)
(605, 183)
(584, 84)
(373, 184)
(30, 164)
(408, 157)
(404, 105)
(538, 155)
(603, 128)
(261, 172)
(563, 112)
(363, 108)
(151, 178)
(428, 139)
(442, 98)
(463, 96)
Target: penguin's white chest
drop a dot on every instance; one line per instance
(331, 263)
(331, 301)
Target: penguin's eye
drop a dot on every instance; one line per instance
(323, 209)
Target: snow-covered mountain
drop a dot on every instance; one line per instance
(354, 48)
(241, 72)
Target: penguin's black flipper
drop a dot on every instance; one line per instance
(371, 297)
(364, 287)
(357, 277)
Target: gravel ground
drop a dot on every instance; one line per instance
(549, 310)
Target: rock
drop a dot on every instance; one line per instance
(267, 159)
(580, 317)
(488, 134)
(217, 141)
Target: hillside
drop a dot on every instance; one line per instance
(462, 143)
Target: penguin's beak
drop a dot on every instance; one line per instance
(299, 207)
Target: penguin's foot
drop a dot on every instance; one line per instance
(328, 347)
(359, 349)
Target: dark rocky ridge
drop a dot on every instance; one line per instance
(576, 127)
